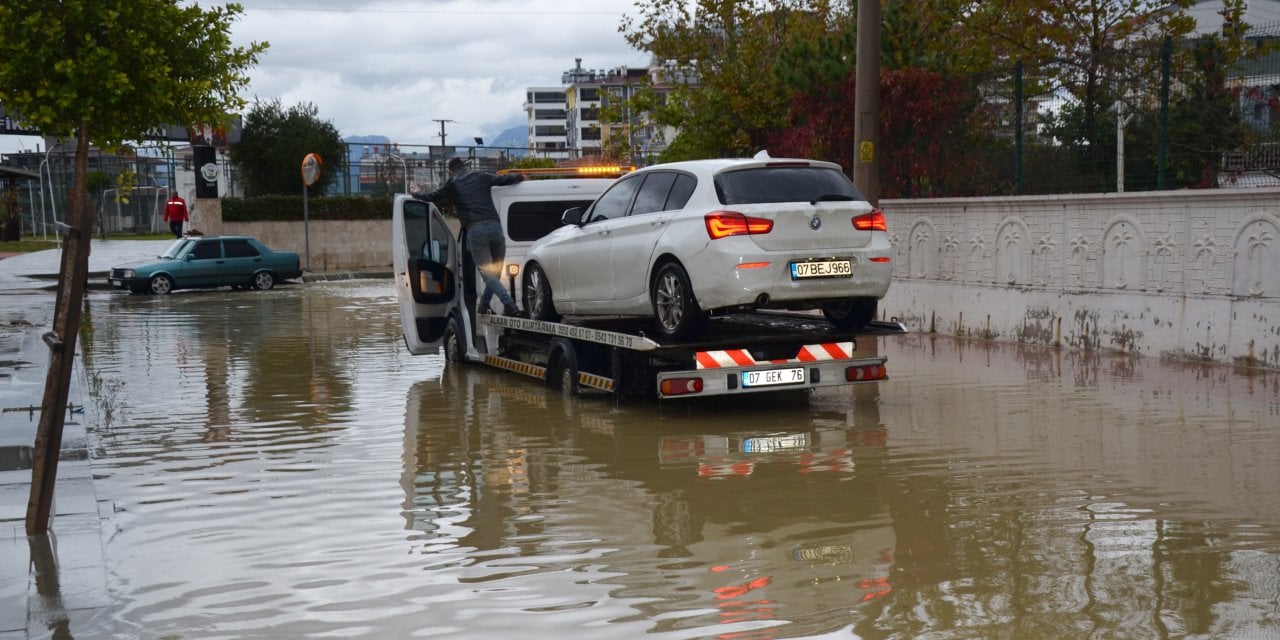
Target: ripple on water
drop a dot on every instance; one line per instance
(276, 465)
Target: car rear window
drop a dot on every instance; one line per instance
(239, 249)
(783, 184)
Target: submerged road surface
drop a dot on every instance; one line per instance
(274, 464)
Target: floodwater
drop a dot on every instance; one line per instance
(274, 464)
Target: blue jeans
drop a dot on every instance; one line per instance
(488, 247)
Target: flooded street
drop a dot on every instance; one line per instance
(274, 464)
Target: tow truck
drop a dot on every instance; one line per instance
(437, 285)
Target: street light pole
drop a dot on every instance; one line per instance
(403, 168)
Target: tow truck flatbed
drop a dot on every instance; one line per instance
(738, 353)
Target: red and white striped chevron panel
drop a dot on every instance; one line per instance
(743, 358)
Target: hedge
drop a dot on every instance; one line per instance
(289, 208)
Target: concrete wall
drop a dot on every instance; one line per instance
(336, 245)
(1186, 274)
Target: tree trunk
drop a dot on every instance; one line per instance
(73, 272)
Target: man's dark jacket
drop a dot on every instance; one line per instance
(469, 192)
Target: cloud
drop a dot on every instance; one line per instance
(394, 68)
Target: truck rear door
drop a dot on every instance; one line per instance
(425, 258)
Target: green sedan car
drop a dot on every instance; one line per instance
(197, 262)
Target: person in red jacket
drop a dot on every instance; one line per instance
(175, 213)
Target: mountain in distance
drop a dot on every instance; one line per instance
(516, 137)
(512, 134)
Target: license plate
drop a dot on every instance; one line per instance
(821, 269)
(770, 444)
(770, 377)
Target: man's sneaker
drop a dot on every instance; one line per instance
(485, 309)
(512, 312)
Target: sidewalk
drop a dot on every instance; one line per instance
(55, 586)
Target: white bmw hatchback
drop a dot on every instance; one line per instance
(683, 240)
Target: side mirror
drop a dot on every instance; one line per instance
(572, 216)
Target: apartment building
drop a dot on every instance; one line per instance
(565, 121)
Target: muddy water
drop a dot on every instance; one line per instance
(274, 465)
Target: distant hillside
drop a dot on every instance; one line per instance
(515, 137)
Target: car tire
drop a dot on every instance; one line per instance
(537, 295)
(849, 314)
(161, 285)
(675, 309)
(263, 280)
(454, 350)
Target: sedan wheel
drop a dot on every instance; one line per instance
(853, 313)
(537, 295)
(263, 280)
(161, 285)
(674, 306)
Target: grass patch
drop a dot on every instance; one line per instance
(31, 244)
(26, 246)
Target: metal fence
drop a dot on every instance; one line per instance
(379, 169)
(1181, 116)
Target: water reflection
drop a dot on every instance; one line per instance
(346, 489)
(698, 526)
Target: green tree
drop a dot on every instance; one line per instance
(273, 143)
(720, 57)
(106, 71)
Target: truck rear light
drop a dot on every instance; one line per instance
(873, 221)
(681, 386)
(722, 224)
(866, 373)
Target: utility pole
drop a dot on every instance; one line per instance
(444, 173)
(866, 102)
(442, 122)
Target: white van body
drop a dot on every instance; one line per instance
(532, 209)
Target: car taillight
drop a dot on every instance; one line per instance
(873, 221)
(722, 224)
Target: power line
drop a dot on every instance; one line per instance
(437, 12)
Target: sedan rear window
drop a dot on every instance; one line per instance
(784, 184)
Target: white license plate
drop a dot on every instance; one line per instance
(770, 377)
(770, 444)
(821, 269)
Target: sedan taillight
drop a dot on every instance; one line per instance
(722, 224)
(873, 221)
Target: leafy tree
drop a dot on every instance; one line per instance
(273, 143)
(106, 71)
(720, 57)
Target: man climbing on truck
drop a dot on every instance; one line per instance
(469, 192)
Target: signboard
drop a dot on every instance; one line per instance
(205, 159)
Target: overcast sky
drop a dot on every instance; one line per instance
(392, 68)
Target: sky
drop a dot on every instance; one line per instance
(393, 68)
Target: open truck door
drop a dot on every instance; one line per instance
(425, 258)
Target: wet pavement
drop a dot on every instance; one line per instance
(273, 464)
(53, 585)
